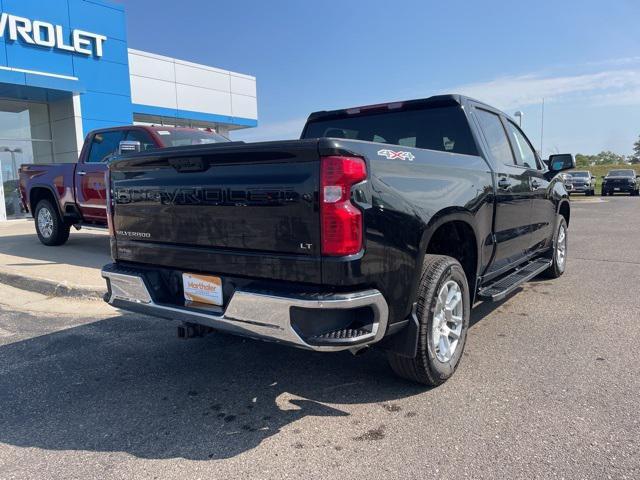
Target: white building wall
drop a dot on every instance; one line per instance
(66, 129)
(174, 84)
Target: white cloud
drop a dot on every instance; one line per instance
(606, 87)
(614, 61)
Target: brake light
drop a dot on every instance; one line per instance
(341, 220)
(110, 202)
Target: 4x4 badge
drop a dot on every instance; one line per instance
(393, 155)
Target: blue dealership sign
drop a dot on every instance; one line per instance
(66, 47)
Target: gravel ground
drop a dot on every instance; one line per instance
(549, 387)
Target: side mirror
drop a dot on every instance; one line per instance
(560, 162)
(129, 146)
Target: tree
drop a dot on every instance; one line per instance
(603, 158)
(584, 161)
(635, 158)
(609, 158)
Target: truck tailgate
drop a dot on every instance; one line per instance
(242, 210)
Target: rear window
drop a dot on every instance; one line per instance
(182, 138)
(622, 173)
(445, 129)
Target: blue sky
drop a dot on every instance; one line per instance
(583, 57)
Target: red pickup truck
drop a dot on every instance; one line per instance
(62, 195)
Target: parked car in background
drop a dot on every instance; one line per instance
(621, 181)
(62, 195)
(567, 180)
(380, 227)
(583, 181)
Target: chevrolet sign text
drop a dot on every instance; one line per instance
(48, 35)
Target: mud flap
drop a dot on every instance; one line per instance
(405, 341)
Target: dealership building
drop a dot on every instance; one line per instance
(66, 69)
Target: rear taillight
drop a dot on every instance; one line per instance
(110, 202)
(341, 220)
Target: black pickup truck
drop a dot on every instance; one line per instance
(381, 226)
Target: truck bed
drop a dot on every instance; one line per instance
(56, 176)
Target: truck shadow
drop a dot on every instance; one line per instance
(82, 250)
(127, 384)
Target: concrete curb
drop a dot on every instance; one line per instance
(49, 287)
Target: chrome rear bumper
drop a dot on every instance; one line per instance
(257, 314)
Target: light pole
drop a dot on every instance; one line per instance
(519, 114)
(13, 152)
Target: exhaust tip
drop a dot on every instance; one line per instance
(357, 351)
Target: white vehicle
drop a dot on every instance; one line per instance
(582, 181)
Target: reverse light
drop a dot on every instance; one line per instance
(341, 220)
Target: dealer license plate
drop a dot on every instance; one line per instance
(202, 289)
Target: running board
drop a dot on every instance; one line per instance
(503, 287)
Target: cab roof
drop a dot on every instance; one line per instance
(447, 100)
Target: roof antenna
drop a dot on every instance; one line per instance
(542, 130)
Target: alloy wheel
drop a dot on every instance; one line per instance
(561, 248)
(45, 222)
(447, 321)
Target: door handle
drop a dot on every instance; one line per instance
(504, 183)
(81, 173)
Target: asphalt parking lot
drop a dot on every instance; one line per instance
(549, 387)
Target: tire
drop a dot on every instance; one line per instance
(51, 229)
(432, 364)
(560, 241)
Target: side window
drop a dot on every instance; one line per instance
(104, 144)
(496, 136)
(407, 141)
(525, 156)
(146, 142)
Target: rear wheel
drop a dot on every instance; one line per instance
(51, 229)
(443, 310)
(560, 244)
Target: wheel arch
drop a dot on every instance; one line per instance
(40, 192)
(462, 225)
(564, 209)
